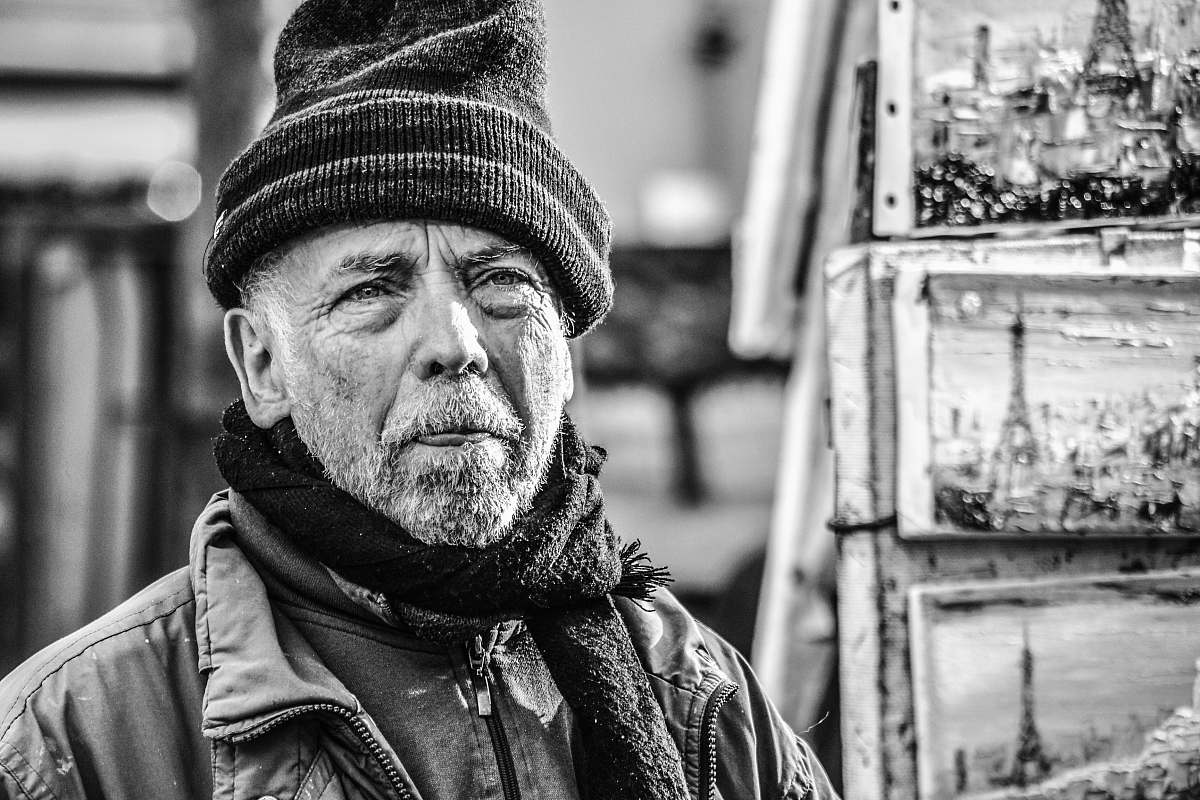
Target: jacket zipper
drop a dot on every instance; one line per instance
(481, 660)
(356, 724)
(708, 739)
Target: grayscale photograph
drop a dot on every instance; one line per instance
(545, 400)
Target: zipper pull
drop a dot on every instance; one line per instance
(479, 676)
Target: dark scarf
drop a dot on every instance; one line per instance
(556, 570)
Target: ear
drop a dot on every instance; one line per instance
(264, 387)
(570, 368)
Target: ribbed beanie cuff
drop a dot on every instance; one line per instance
(378, 156)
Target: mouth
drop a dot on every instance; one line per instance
(453, 438)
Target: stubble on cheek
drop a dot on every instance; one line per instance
(331, 374)
(541, 350)
(330, 410)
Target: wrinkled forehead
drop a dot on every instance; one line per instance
(343, 247)
(338, 252)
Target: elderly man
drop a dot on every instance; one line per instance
(410, 589)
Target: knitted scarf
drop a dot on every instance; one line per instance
(557, 569)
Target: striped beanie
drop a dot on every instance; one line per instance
(414, 109)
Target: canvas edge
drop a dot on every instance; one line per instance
(914, 450)
(1023, 588)
(847, 283)
(921, 671)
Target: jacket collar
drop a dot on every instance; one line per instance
(257, 664)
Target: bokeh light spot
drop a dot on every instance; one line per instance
(174, 191)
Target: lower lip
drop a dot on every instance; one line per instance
(452, 439)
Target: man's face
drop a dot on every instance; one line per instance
(425, 365)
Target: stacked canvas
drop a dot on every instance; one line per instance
(1015, 379)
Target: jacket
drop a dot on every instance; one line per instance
(197, 687)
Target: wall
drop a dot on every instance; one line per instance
(628, 98)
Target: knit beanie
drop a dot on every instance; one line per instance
(414, 109)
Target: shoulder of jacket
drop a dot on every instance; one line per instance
(671, 644)
(676, 648)
(163, 609)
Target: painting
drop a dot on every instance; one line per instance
(1058, 690)
(1068, 113)
(1034, 404)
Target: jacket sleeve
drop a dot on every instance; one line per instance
(821, 788)
(760, 756)
(111, 710)
(22, 774)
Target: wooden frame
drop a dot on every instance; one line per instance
(1035, 116)
(893, 202)
(1044, 455)
(1018, 691)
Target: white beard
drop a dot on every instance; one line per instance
(467, 495)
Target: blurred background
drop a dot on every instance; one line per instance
(117, 116)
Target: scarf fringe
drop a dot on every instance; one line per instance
(639, 578)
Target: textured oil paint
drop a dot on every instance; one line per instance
(1027, 111)
(1024, 689)
(1065, 405)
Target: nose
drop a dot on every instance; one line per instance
(449, 344)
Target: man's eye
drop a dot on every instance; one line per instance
(506, 292)
(505, 277)
(364, 293)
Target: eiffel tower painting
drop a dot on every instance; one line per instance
(1030, 763)
(1016, 455)
(1111, 47)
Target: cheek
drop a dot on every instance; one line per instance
(353, 374)
(532, 366)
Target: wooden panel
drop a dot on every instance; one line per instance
(847, 311)
(878, 568)
(860, 661)
(893, 203)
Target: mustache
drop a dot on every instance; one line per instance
(466, 403)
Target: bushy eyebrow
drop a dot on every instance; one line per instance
(402, 262)
(375, 263)
(496, 252)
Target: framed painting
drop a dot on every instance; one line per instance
(1071, 688)
(1038, 402)
(1002, 113)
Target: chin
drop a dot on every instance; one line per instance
(465, 496)
(441, 519)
